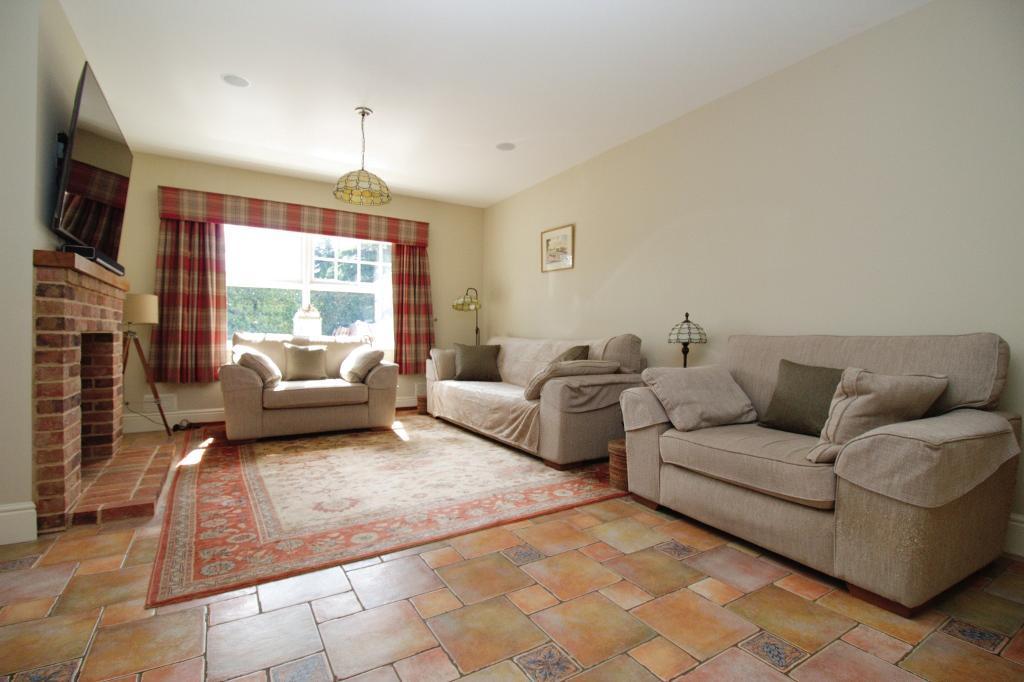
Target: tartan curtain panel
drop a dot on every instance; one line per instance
(190, 343)
(414, 314)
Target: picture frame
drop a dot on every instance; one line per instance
(558, 248)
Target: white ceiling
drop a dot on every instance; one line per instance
(448, 79)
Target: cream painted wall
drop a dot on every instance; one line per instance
(874, 188)
(455, 250)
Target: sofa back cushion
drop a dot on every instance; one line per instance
(521, 359)
(976, 364)
(272, 345)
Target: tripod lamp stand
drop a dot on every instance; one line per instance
(142, 309)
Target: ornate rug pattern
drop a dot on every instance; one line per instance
(243, 514)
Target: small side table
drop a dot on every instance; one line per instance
(617, 475)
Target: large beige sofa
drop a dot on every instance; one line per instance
(905, 512)
(575, 416)
(292, 407)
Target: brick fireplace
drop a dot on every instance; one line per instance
(77, 377)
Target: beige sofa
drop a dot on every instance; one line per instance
(572, 421)
(905, 512)
(293, 407)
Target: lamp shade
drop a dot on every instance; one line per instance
(468, 302)
(141, 309)
(687, 331)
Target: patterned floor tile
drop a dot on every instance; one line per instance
(910, 630)
(984, 609)
(676, 549)
(877, 643)
(689, 621)
(716, 591)
(36, 643)
(570, 574)
(1009, 585)
(572, 626)
(808, 588)
(663, 658)
(393, 580)
(523, 554)
(480, 579)
(269, 639)
(233, 609)
(34, 583)
(20, 611)
(941, 657)
(144, 644)
(435, 603)
(627, 535)
(370, 639)
(988, 640)
(839, 662)
(86, 592)
(554, 537)
(532, 599)
(736, 568)
(192, 670)
(547, 663)
(793, 618)
(774, 651)
(429, 666)
(70, 548)
(506, 671)
(483, 634)
(654, 572)
(309, 669)
(59, 672)
(441, 557)
(735, 666)
(692, 535)
(600, 551)
(484, 542)
(302, 588)
(626, 594)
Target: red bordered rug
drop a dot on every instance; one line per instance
(239, 515)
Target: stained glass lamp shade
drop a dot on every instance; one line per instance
(470, 302)
(687, 332)
(362, 187)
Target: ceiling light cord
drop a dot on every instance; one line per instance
(362, 128)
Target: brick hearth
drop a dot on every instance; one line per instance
(77, 372)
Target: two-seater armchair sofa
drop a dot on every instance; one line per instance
(575, 416)
(906, 510)
(252, 410)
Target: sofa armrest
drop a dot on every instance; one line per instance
(242, 389)
(929, 462)
(443, 362)
(384, 375)
(238, 378)
(641, 408)
(586, 392)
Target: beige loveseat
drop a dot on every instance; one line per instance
(906, 510)
(292, 407)
(575, 416)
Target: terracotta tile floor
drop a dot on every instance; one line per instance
(128, 484)
(611, 591)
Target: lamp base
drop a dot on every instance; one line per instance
(686, 351)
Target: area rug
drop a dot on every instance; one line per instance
(243, 514)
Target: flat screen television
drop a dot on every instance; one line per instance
(95, 167)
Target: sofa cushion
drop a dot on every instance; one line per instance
(520, 359)
(496, 409)
(699, 397)
(314, 393)
(752, 456)
(338, 347)
(305, 362)
(251, 358)
(476, 363)
(567, 368)
(574, 353)
(802, 396)
(359, 362)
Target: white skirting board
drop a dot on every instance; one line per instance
(1015, 535)
(150, 421)
(17, 522)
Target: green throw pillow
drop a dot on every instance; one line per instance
(803, 394)
(476, 363)
(573, 354)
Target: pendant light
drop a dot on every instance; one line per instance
(361, 186)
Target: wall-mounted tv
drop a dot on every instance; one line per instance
(93, 178)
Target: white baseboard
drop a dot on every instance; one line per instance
(405, 401)
(1015, 535)
(17, 522)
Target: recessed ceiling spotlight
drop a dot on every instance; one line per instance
(505, 146)
(235, 80)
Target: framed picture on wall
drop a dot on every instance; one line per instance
(558, 248)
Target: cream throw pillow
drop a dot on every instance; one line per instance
(359, 362)
(700, 397)
(567, 368)
(258, 362)
(864, 401)
(305, 362)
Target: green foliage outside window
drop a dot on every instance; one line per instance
(342, 308)
(256, 309)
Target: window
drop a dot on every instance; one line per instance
(307, 284)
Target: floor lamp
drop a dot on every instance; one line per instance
(470, 302)
(142, 309)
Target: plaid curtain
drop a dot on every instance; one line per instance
(190, 343)
(414, 314)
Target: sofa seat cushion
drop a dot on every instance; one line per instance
(314, 393)
(494, 408)
(768, 461)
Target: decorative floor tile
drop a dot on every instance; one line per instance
(487, 576)
(484, 542)
(1009, 585)
(532, 599)
(626, 594)
(192, 670)
(654, 572)
(310, 669)
(143, 644)
(736, 568)
(430, 666)
(570, 574)
(978, 636)
(840, 661)
(692, 535)
(34, 583)
(735, 665)
(393, 580)
(86, 592)
(441, 557)
(676, 549)
(941, 657)
(554, 537)
(59, 672)
(547, 663)
(301, 588)
(592, 628)
(37, 643)
(600, 551)
(248, 644)
(506, 671)
(435, 603)
(233, 609)
(370, 639)
(700, 628)
(803, 586)
(773, 650)
(482, 634)
(663, 658)
(627, 535)
(910, 630)
(793, 618)
(877, 643)
(716, 591)
(984, 609)
(523, 554)
(20, 611)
